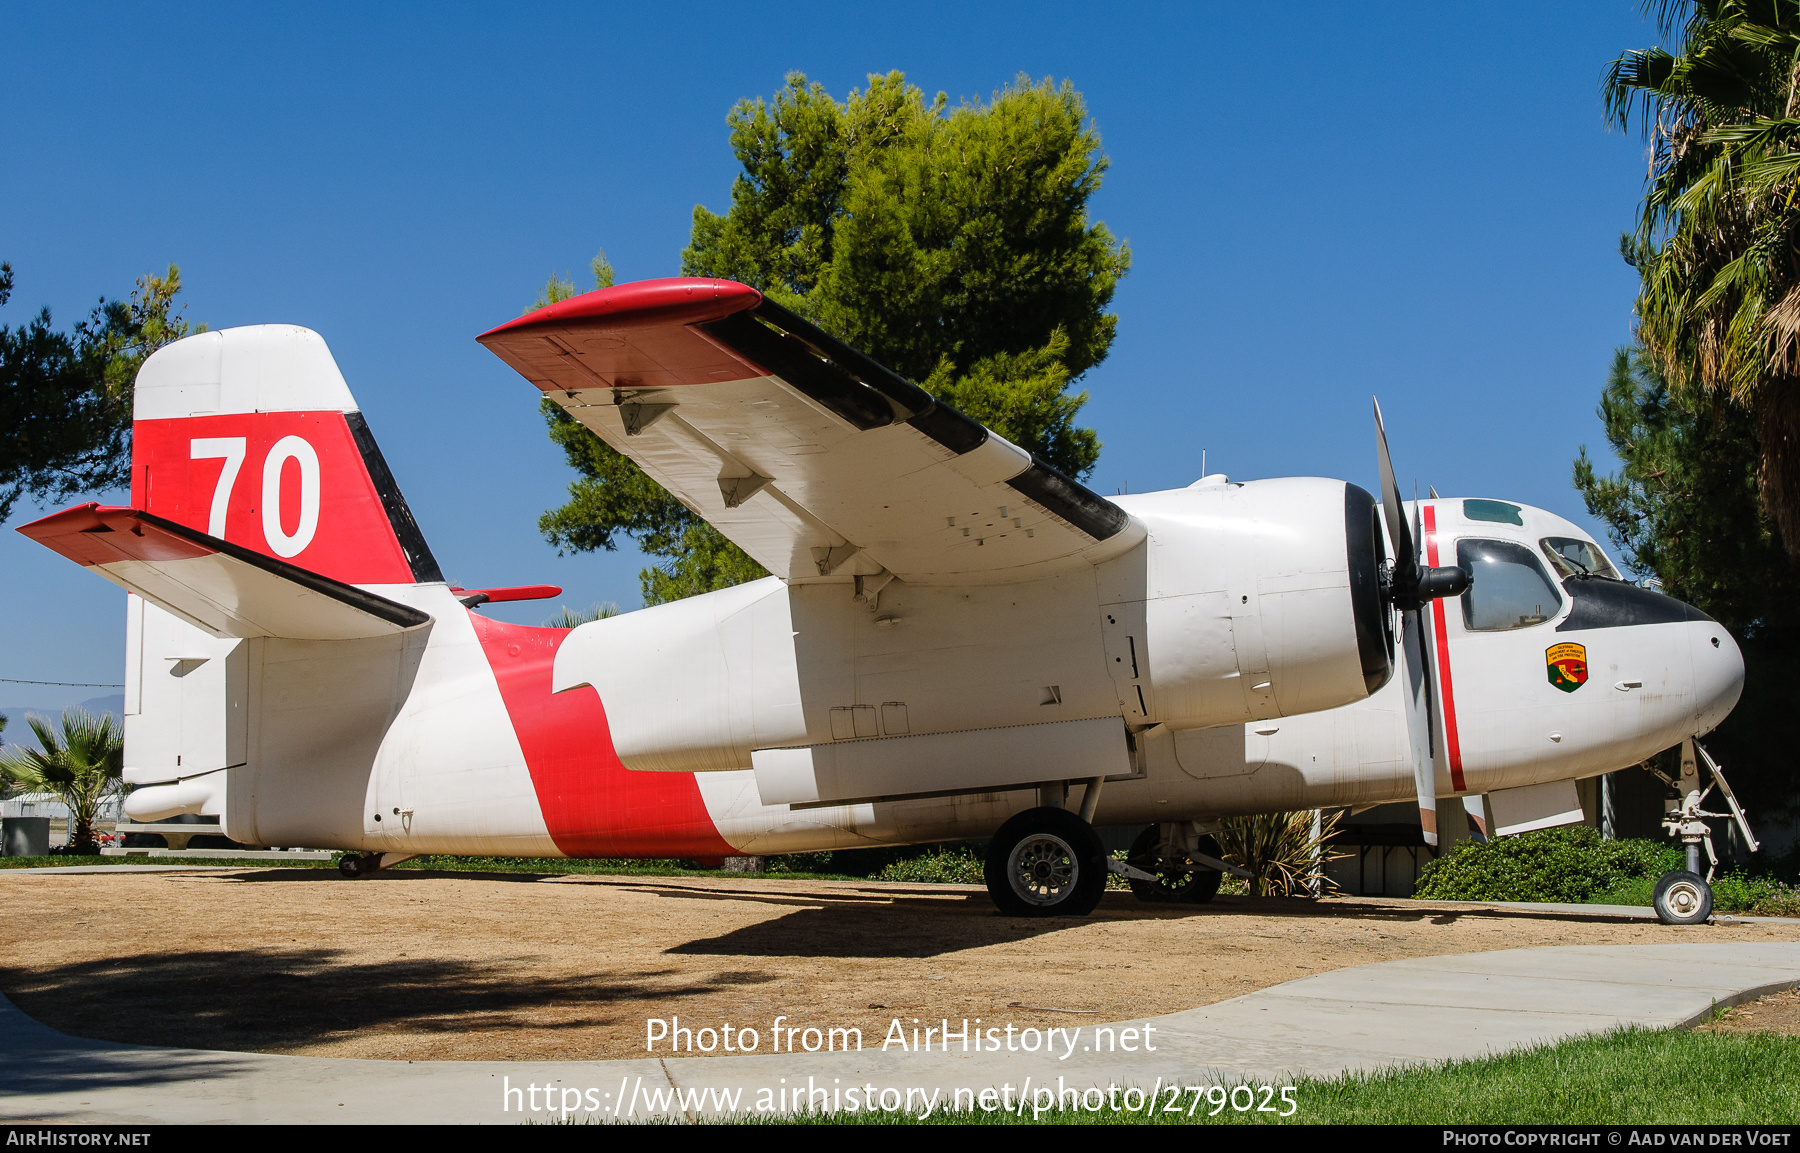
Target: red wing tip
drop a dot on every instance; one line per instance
(91, 515)
(96, 534)
(513, 593)
(675, 299)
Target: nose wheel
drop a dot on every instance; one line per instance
(1046, 862)
(1682, 898)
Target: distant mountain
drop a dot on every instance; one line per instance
(19, 733)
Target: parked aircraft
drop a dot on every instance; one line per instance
(955, 635)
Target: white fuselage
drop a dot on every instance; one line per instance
(774, 717)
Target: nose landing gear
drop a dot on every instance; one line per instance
(1684, 897)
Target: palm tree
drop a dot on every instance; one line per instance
(1718, 237)
(82, 766)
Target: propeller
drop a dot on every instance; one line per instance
(1408, 587)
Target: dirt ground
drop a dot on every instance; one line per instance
(414, 965)
(1776, 1013)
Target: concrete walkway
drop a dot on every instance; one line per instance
(1362, 1018)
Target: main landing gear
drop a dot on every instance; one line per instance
(354, 865)
(1160, 872)
(1046, 862)
(1684, 897)
(1049, 862)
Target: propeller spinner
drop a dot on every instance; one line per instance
(1410, 585)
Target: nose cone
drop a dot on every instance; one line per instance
(1718, 674)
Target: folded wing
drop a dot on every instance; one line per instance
(818, 462)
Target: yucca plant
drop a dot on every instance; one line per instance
(570, 618)
(82, 766)
(1281, 851)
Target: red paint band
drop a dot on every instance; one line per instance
(1440, 629)
(593, 805)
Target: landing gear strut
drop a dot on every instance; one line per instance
(1684, 897)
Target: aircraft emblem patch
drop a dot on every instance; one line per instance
(1568, 666)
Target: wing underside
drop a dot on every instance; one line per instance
(819, 463)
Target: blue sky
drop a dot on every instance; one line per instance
(1419, 201)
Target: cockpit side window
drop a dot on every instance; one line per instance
(1510, 589)
(1574, 557)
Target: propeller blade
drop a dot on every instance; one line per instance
(1416, 685)
(1393, 510)
(1475, 809)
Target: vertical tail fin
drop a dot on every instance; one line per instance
(251, 435)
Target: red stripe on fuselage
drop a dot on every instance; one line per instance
(593, 805)
(1440, 629)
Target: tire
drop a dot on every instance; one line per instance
(1682, 898)
(354, 865)
(1182, 882)
(1046, 862)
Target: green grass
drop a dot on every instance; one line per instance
(1630, 1077)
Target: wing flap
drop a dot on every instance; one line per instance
(228, 590)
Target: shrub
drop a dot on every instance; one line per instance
(1565, 865)
(1780, 900)
(945, 867)
(820, 862)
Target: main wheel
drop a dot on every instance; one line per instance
(1179, 881)
(354, 865)
(1046, 862)
(1682, 898)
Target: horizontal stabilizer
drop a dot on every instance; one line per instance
(224, 588)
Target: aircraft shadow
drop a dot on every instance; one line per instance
(276, 999)
(924, 928)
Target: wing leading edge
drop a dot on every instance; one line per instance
(817, 461)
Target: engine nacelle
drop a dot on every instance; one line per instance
(1241, 601)
(1251, 600)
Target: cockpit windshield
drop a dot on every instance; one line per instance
(1509, 589)
(1573, 557)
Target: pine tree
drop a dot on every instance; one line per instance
(951, 244)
